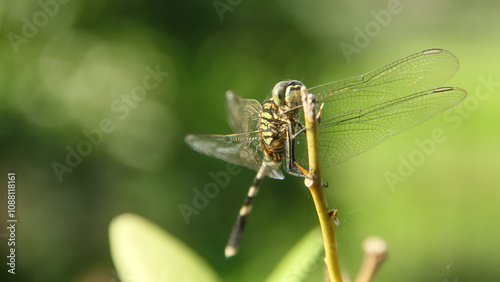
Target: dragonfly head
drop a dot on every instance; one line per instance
(287, 93)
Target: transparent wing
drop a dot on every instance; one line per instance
(241, 149)
(242, 114)
(362, 111)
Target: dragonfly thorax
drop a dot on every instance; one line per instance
(277, 113)
(272, 129)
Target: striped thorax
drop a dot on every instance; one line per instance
(277, 113)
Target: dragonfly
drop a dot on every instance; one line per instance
(358, 113)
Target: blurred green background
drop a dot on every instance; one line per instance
(69, 66)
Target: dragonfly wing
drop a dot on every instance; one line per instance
(419, 72)
(362, 111)
(242, 114)
(356, 133)
(241, 149)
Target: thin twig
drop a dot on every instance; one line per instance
(375, 254)
(327, 219)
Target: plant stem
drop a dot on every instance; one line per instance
(328, 220)
(375, 250)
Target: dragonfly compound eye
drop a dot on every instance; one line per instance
(279, 92)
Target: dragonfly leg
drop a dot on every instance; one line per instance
(239, 225)
(301, 126)
(303, 170)
(299, 132)
(292, 167)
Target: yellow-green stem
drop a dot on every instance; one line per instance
(327, 221)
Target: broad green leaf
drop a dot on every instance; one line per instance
(142, 251)
(304, 258)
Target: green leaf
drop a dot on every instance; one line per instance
(142, 251)
(301, 260)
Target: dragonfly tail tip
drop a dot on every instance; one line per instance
(230, 251)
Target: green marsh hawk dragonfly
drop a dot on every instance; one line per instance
(359, 112)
